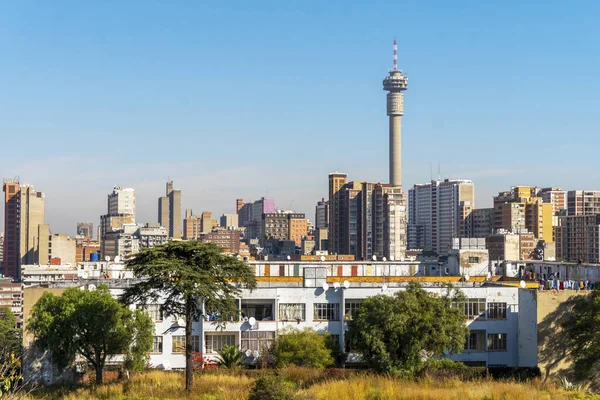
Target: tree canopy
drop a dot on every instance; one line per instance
(582, 330)
(189, 279)
(304, 347)
(10, 336)
(91, 324)
(393, 333)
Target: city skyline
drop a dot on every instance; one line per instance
(124, 101)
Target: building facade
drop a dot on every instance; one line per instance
(583, 202)
(85, 230)
(169, 211)
(229, 221)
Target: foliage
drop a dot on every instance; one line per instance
(91, 324)
(303, 348)
(184, 275)
(137, 357)
(582, 329)
(230, 357)
(10, 336)
(11, 380)
(394, 333)
(270, 387)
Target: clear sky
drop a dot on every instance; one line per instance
(248, 99)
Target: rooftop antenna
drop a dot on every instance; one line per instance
(395, 54)
(430, 172)
(439, 171)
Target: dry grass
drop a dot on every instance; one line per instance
(385, 388)
(312, 384)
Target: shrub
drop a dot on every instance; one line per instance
(230, 357)
(305, 348)
(271, 387)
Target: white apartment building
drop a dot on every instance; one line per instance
(121, 201)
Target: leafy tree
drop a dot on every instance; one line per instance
(230, 357)
(303, 348)
(91, 324)
(143, 339)
(184, 275)
(393, 333)
(10, 336)
(582, 332)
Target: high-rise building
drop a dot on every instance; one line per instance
(250, 215)
(117, 227)
(297, 227)
(11, 260)
(583, 202)
(336, 182)
(85, 230)
(555, 196)
(322, 214)
(438, 212)
(121, 201)
(521, 210)
(480, 223)
(229, 221)
(578, 238)
(31, 209)
(395, 84)
(1, 249)
(169, 211)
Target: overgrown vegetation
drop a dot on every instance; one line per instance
(305, 348)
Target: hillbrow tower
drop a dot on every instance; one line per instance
(395, 84)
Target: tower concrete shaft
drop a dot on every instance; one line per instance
(395, 84)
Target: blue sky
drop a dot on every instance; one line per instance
(249, 99)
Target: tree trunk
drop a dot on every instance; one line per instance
(99, 367)
(189, 365)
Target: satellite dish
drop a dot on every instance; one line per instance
(180, 322)
(392, 257)
(81, 287)
(289, 258)
(523, 284)
(384, 259)
(374, 257)
(255, 353)
(325, 286)
(91, 287)
(322, 258)
(467, 277)
(166, 366)
(346, 284)
(85, 274)
(117, 259)
(248, 353)
(384, 287)
(252, 320)
(489, 276)
(336, 285)
(107, 258)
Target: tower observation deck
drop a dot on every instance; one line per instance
(395, 84)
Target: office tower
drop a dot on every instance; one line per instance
(207, 222)
(229, 221)
(521, 210)
(239, 203)
(10, 262)
(322, 214)
(85, 229)
(117, 227)
(336, 182)
(297, 227)
(438, 212)
(192, 226)
(480, 222)
(31, 209)
(169, 211)
(1, 248)
(250, 215)
(395, 84)
(583, 202)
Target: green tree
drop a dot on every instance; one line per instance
(305, 348)
(88, 323)
(10, 335)
(393, 333)
(582, 332)
(143, 339)
(230, 357)
(184, 275)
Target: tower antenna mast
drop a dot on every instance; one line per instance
(395, 55)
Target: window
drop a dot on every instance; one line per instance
(350, 308)
(153, 311)
(157, 344)
(497, 342)
(259, 311)
(496, 311)
(326, 312)
(257, 340)
(473, 260)
(178, 344)
(475, 341)
(216, 342)
(292, 311)
(474, 308)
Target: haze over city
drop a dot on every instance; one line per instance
(242, 100)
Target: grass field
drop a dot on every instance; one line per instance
(310, 384)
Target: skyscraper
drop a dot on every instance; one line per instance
(10, 260)
(118, 225)
(336, 182)
(395, 84)
(169, 211)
